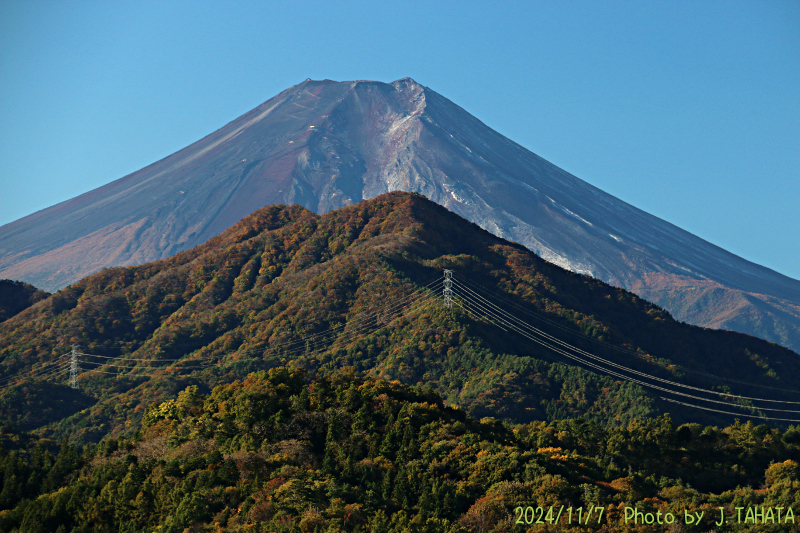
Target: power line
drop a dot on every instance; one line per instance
(41, 376)
(43, 369)
(387, 307)
(360, 327)
(540, 316)
(364, 324)
(627, 378)
(349, 337)
(114, 365)
(132, 359)
(725, 412)
(622, 367)
(330, 337)
(512, 326)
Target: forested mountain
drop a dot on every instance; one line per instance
(16, 296)
(326, 144)
(304, 373)
(346, 453)
(361, 287)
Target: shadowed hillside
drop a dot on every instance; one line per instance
(15, 296)
(360, 287)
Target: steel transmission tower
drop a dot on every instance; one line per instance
(73, 368)
(448, 289)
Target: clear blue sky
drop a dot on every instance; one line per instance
(688, 110)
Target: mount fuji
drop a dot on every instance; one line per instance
(327, 144)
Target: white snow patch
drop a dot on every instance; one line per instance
(567, 211)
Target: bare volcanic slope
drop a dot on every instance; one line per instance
(361, 287)
(324, 144)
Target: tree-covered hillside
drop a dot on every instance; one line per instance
(359, 287)
(16, 296)
(347, 453)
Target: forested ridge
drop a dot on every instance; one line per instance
(302, 373)
(286, 285)
(16, 296)
(280, 452)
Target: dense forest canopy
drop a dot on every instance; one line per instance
(347, 452)
(16, 296)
